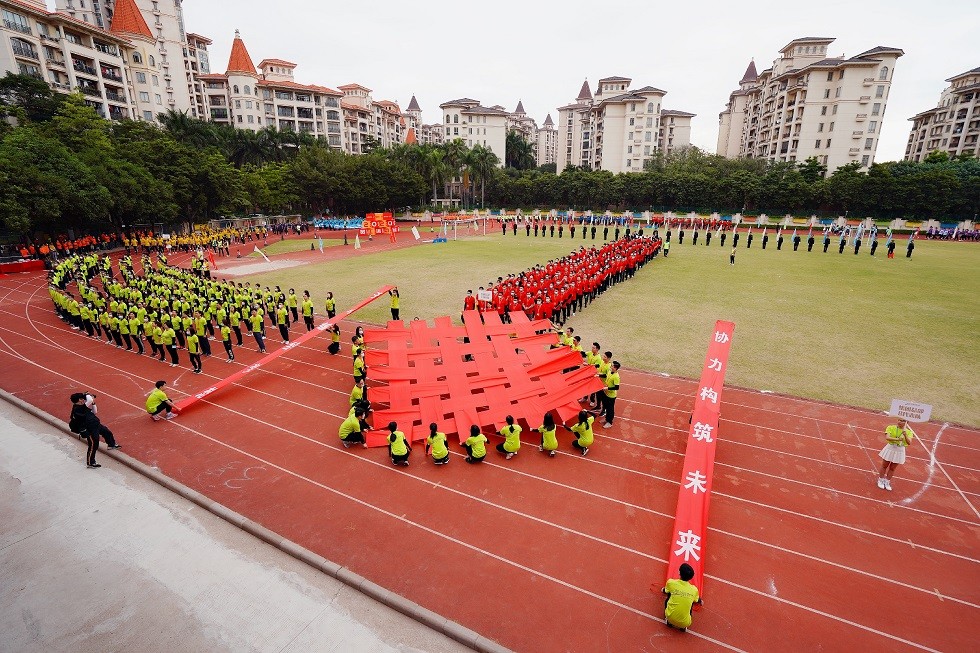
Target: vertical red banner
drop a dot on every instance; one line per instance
(691, 519)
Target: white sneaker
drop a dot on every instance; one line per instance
(888, 485)
(171, 415)
(509, 456)
(881, 483)
(157, 418)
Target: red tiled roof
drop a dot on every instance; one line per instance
(213, 76)
(353, 107)
(410, 136)
(127, 19)
(347, 87)
(240, 61)
(276, 62)
(198, 37)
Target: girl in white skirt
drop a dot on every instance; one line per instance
(899, 437)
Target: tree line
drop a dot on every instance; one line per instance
(62, 166)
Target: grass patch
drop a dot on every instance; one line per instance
(292, 245)
(844, 328)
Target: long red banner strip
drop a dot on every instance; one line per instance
(293, 344)
(691, 519)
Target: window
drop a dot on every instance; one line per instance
(820, 127)
(239, 118)
(649, 122)
(147, 115)
(456, 119)
(251, 119)
(828, 143)
(837, 92)
(144, 96)
(834, 112)
(826, 93)
(455, 131)
(872, 126)
(248, 104)
(138, 58)
(629, 163)
(632, 121)
(647, 136)
(141, 78)
(629, 149)
(158, 98)
(235, 89)
(650, 107)
(153, 62)
(633, 106)
(823, 110)
(864, 160)
(156, 80)
(876, 109)
(883, 75)
(15, 22)
(646, 149)
(238, 104)
(817, 146)
(869, 143)
(841, 75)
(831, 127)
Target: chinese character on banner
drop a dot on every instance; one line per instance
(690, 545)
(721, 336)
(702, 432)
(709, 395)
(715, 364)
(696, 482)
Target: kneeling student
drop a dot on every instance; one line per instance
(681, 597)
(549, 435)
(353, 428)
(436, 443)
(583, 432)
(398, 446)
(475, 445)
(512, 439)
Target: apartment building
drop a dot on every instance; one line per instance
(475, 124)
(953, 125)
(250, 97)
(619, 128)
(164, 22)
(197, 63)
(69, 54)
(810, 104)
(546, 146)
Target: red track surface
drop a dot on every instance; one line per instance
(542, 554)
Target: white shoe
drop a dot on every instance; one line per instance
(171, 415)
(509, 456)
(881, 483)
(157, 418)
(888, 485)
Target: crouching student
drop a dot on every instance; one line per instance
(353, 428)
(475, 445)
(549, 435)
(584, 437)
(436, 444)
(512, 439)
(681, 597)
(398, 446)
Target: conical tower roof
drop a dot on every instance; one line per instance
(548, 122)
(127, 19)
(585, 93)
(520, 108)
(240, 61)
(750, 74)
(413, 105)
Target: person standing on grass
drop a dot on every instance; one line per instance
(85, 421)
(158, 402)
(394, 302)
(353, 428)
(899, 437)
(549, 435)
(307, 307)
(476, 445)
(436, 444)
(681, 597)
(512, 439)
(399, 447)
(584, 437)
(731, 257)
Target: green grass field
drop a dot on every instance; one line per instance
(851, 329)
(293, 245)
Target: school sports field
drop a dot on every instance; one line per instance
(558, 554)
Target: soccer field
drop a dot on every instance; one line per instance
(858, 330)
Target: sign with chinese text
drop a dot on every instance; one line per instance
(379, 223)
(691, 519)
(910, 410)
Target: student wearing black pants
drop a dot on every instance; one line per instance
(83, 416)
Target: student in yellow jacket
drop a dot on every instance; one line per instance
(399, 447)
(584, 437)
(436, 445)
(549, 435)
(681, 597)
(512, 439)
(475, 445)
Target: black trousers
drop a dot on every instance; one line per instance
(139, 342)
(470, 458)
(227, 344)
(259, 340)
(238, 334)
(93, 442)
(284, 332)
(308, 320)
(173, 354)
(195, 361)
(608, 407)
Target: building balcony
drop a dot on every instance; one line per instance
(107, 49)
(861, 117)
(111, 74)
(52, 39)
(24, 52)
(854, 151)
(56, 63)
(864, 99)
(118, 113)
(219, 114)
(868, 81)
(115, 97)
(90, 90)
(857, 133)
(17, 27)
(60, 86)
(83, 68)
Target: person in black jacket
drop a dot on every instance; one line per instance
(85, 422)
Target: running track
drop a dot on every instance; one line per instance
(540, 554)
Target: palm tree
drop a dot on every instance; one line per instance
(455, 155)
(482, 162)
(520, 153)
(435, 165)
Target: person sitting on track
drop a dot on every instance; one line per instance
(353, 428)
(512, 439)
(157, 402)
(681, 597)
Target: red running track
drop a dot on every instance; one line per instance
(545, 554)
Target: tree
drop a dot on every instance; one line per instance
(27, 99)
(812, 170)
(482, 162)
(518, 153)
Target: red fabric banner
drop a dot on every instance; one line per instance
(293, 344)
(691, 519)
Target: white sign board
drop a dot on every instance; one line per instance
(415, 232)
(484, 295)
(910, 410)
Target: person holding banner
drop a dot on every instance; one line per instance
(353, 428)
(334, 346)
(512, 439)
(584, 437)
(681, 597)
(394, 302)
(399, 448)
(608, 396)
(549, 435)
(436, 444)
(476, 444)
(157, 402)
(898, 437)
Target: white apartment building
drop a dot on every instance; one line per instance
(369, 122)
(164, 20)
(810, 104)
(69, 54)
(198, 63)
(953, 125)
(546, 147)
(268, 96)
(475, 124)
(618, 129)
